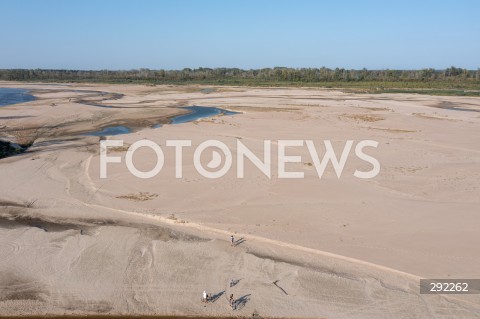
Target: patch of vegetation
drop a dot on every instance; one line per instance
(451, 81)
(364, 117)
(139, 197)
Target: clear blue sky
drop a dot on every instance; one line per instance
(104, 34)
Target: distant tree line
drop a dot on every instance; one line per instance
(266, 76)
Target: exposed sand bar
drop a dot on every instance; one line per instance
(71, 242)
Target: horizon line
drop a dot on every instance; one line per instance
(243, 69)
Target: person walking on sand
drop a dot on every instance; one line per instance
(204, 296)
(232, 302)
(232, 239)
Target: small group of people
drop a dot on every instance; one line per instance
(206, 297)
(232, 301)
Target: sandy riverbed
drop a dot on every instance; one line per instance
(71, 242)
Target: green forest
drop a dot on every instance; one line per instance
(451, 78)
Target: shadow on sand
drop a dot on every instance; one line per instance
(242, 301)
(216, 296)
(239, 241)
